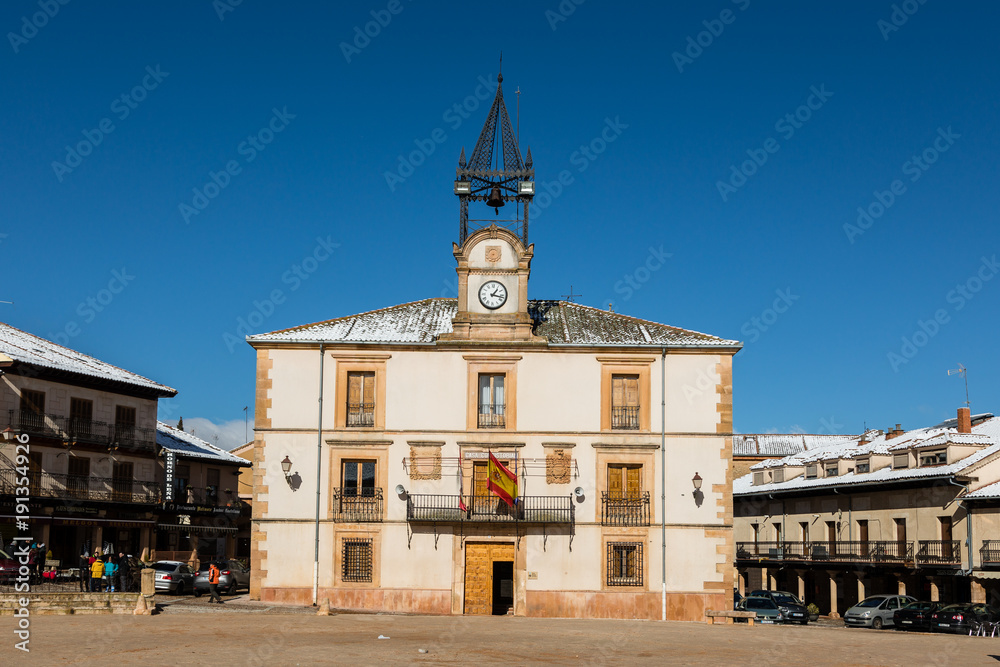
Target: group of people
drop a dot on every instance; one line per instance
(108, 574)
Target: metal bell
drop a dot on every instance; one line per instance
(495, 199)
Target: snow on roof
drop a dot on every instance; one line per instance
(561, 322)
(784, 444)
(987, 432)
(186, 444)
(29, 349)
(988, 492)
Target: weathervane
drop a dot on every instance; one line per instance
(569, 297)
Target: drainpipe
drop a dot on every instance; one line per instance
(319, 468)
(663, 482)
(968, 525)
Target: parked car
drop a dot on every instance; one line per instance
(766, 609)
(958, 617)
(915, 616)
(792, 609)
(173, 576)
(876, 611)
(232, 575)
(8, 567)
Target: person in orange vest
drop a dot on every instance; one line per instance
(213, 583)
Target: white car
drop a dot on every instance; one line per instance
(876, 611)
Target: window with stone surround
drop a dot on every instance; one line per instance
(361, 399)
(356, 561)
(625, 402)
(625, 564)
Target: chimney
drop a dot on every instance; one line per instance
(891, 433)
(964, 421)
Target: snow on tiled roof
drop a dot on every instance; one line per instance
(561, 322)
(990, 491)
(784, 444)
(186, 444)
(985, 432)
(27, 348)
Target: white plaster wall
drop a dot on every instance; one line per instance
(426, 390)
(559, 392)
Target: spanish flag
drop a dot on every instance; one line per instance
(502, 481)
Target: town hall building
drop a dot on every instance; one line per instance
(374, 432)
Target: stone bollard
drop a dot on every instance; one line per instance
(324, 609)
(141, 608)
(148, 582)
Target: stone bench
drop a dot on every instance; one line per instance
(711, 615)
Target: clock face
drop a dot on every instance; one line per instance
(493, 294)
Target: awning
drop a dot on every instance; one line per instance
(83, 521)
(194, 528)
(986, 574)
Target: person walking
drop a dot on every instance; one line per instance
(96, 573)
(213, 583)
(84, 570)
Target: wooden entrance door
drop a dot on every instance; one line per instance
(479, 559)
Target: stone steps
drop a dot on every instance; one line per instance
(71, 603)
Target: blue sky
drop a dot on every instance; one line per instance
(250, 158)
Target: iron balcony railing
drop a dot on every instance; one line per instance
(881, 551)
(492, 416)
(75, 430)
(488, 509)
(361, 414)
(617, 511)
(943, 552)
(350, 507)
(82, 487)
(209, 495)
(625, 417)
(989, 553)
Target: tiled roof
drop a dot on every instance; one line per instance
(29, 349)
(561, 322)
(985, 432)
(784, 444)
(186, 444)
(989, 492)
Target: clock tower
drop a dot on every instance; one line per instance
(493, 254)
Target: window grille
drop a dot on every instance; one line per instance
(357, 560)
(625, 564)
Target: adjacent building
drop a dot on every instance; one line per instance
(893, 511)
(92, 464)
(624, 507)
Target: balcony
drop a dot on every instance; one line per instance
(882, 551)
(82, 487)
(422, 507)
(361, 415)
(989, 553)
(83, 431)
(624, 511)
(625, 418)
(351, 508)
(939, 552)
(492, 416)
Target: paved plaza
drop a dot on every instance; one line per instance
(189, 631)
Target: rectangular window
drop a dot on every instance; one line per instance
(624, 481)
(212, 485)
(182, 477)
(758, 478)
(934, 458)
(357, 560)
(32, 410)
(78, 479)
(901, 461)
(778, 475)
(804, 531)
(811, 471)
(358, 479)
(625, 402)
(124, 425)
(81, 411)
(492, 401)
(832, 470)
(863, 466)
(625, 564)
(361, 399)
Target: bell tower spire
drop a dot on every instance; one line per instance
(496, 175)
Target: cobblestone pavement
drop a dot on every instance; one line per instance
(251, 633)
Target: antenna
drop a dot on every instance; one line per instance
(965, 373)
(570, 296)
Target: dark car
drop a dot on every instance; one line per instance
(959, 617)
(173, 576)
(915, 616)
(8, 567)
(791, 608)
(232, 575)
(765, 608)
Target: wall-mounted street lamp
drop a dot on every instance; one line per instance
(286, 468)
(696, 480)
(9, 434)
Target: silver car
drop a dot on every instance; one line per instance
(173, 576)
(875, 611)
